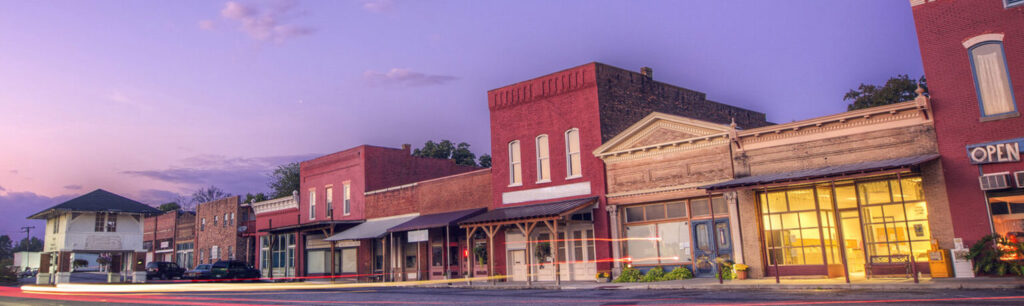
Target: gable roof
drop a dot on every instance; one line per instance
(98, 200)
(627, 140)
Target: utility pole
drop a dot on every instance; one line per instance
(26, 229)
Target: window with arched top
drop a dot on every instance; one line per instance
(991, 77)
(515, 164)
(573, 168)
(543, 159)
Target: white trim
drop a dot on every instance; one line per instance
(568, 153)
(970, 42)
(546, 193)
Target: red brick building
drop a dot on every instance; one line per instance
(223, 231)
(169, 237)
(973, 54)
(331, 199)
(543, 132)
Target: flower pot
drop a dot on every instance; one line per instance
(742, 274)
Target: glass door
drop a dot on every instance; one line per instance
(704, 252)
(849, 219)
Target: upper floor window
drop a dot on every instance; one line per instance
(1009, 3)
(515, 164)
(543, 160)
(202, 225)
(106, 222)
(347, 201)
(312, 204)
(573, 168)
(330, 202)
(991, 78)
(226, 220)
(215, 219)
(56, 225)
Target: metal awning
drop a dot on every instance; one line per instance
(822, 173)
(309, 226)
(436, 220)
(543, 210)
(373, 228)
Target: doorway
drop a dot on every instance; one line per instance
(517, 260)
(853, 242)
(711, 240)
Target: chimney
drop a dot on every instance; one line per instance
(647, 72)
(407, 148)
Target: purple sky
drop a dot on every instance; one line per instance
(151, 99)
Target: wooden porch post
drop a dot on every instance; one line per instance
(490, 230)
(470, 253)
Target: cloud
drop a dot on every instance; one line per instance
(2, 188)
(206, 25)
(237, 175)
(266, 23)
(73, 187)
(379, 6)
(155, 197)
(13, 171)
(17, 206)
(406, 78)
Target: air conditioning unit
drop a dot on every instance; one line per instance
(1020, 178)
(995, 181)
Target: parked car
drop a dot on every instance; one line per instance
(233, 270)
(200, 272)
(163, 270)
(29, 272)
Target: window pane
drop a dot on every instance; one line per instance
(846, 196)
(874, 192)
(513, 149)
(543, 162)
(777, 201)
(813, 256)
(919, 230)
(808, 219)
(573, 141)
(655, 212)
(542, 146)
(675, 241)
(348, 260)
(912, 190)
(634, 214)
(574, 163)
(719, 207)
(700, 208)
(991, 77)
(676, 210)
(893, 212)
(790, 220)
(641, 246)
(810, 237)
(517, 173)
(702, 235)
(824, 197)
(722, 235)
(800, 199)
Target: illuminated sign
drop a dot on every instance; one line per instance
(1006, 151)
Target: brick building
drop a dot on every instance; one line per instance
(542, 133)
(170, 237)
(331, 199)
(224, 231)
(972, 54)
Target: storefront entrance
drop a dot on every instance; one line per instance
(711, 241)
(849, 220)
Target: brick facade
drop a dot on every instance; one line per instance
(220, 239)
(942, 28)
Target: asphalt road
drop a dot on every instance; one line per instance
(445, 296)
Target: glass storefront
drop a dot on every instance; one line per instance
(277, 252)
(1007, 208)
(660, 233)
(882, 220)
(183, 254)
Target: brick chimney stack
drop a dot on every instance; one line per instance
(647, 72)
(407, 148)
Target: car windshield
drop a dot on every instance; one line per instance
(220, 265)
(203, 267)
(151, 265)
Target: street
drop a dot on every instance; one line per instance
(448, 296)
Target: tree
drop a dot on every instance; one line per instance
(258, 197)
(170, 206)
(897, 89)
(446, 150)
(5, 246)
(485, 161)
(284, 180)
(208, 194)
(32, 244)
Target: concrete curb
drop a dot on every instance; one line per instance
(764, 287)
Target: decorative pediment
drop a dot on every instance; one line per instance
(660, 129)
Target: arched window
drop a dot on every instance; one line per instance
(543, 159)
(515, 165)
(573, 168)
(991, 76)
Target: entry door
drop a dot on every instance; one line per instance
(580, 249)
(710, 240)
(517, 260)
(853, 240)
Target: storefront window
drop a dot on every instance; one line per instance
(641, 245)
(436, 255)
(348, 260)
(410, 255)
(894, 228)
(793, 232)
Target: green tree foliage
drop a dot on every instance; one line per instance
(447, 150)
(170, 206)
(986, 254)
(485, 161)
(258, 197)
(208, 194)
(284, 180)
(897, 89)
(32, 244)
(6, 247)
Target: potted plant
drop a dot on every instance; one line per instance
(604, 277)
(741, 270)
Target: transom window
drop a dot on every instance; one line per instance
(515, 167)
(573, 165)
(992, 79)
(543, 159)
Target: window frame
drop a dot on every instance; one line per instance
(569, 154)
(329, 199)
(1007, 4)
(974, 75)
(347, 198)
(512, 163)
(543, 161)
(312, 204)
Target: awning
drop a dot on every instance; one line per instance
(374, 228)
(308, 226)
(826, 172)
(552, 209)
(436, 220)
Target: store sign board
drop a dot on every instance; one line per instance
(1005, 151)
(418, 236)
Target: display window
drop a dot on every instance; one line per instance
(661, 233)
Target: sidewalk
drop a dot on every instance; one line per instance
(886, 284)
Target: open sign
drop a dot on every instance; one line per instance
(997, 152)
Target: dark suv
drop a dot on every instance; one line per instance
(163, 270)
(233, 270)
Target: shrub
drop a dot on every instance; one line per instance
(653, 275)
(629, 275)
(987, 253)
(678, 273)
